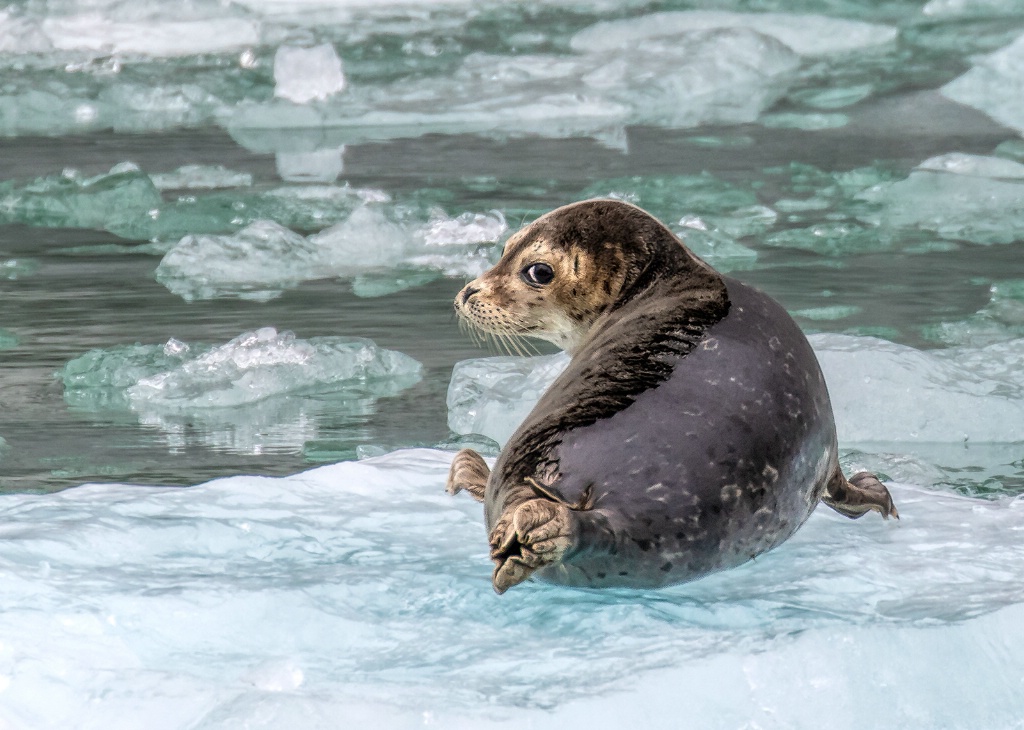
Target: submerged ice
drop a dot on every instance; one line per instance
(361, 591)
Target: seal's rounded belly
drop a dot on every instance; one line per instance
(690, 432)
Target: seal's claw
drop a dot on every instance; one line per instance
(528, 537)
(855, 497)
(468, 473)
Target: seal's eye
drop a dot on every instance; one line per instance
(538, 274)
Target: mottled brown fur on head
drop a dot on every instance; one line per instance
(603, 253)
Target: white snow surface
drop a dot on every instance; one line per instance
(359, 593)
(881, 391)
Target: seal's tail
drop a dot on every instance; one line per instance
(858, 495)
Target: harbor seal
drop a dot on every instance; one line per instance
(691, 431)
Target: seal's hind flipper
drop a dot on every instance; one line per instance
(858, 495)
(468, 473)
(528, 537)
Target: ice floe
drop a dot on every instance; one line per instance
(261, 392)
(958, 196)
(808, 35)
(881, 391)
(254, 366)
(72, 200)
(302, 75)
(1000, 320)
(995, 85)
(717, 76)
(264, 259)
(360, 591)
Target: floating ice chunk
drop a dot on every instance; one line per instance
(259, 262)
(491, 396)
(141, 107)
(871, 383)
(831, 239)
(1002, 8)
(263, 392)
(714, 246)
(995, 85)
(44, 112)
(73, 201)
(365, 240)
(303, 75)
(467, 228)
(201, 177)
(263, 364)
(1001, 319)
(20, 35)
(323, 166)
(808, 35)
(959, 197)
(671, 197)
(361, 591)
(264, 259)
(122, 367)
(252, 367)
(722, 76)
(974, 165)
(153, 37)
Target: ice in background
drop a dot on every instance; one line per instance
(229, 239)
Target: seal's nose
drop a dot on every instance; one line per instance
(467, 292)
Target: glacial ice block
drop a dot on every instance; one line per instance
(491, 396)
(152, 36)
(252, 367)
(303, 75)
(74, 201)
(808, 35)
(258, 262)
(958, 395)
(264, 259)
(958, 196)
(995, 85)
(1000, 320)
(361, 591)
(723, 76)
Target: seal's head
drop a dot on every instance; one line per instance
(562, 273)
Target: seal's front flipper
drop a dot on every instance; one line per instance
(528, 537)
(469, 472)
(861, 494)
